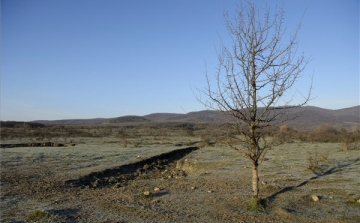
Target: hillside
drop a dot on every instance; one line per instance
(72, 121)
(309, 117)
(127, 119)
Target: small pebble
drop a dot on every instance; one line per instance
(156, 189)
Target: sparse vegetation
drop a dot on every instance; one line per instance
(313, 162)
(328, 133)
(37, 174)
(354, 202)
(256, 205)
(37, 216)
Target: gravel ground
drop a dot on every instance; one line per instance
(207, 185)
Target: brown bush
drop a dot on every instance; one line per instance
(325, 129)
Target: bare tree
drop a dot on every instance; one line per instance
(251, 78)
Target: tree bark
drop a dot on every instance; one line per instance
(255, 180)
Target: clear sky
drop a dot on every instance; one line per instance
(65, 59)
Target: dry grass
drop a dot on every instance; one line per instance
(37, 216)
(32, 180)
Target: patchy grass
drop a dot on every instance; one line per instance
(354, 202)
(34, 177)
(36, 216)
(257, 205)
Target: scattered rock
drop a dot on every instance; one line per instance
(209, 191)
(138, 157)
(315, 198)
(157, 189)
(96, 183)
(193, 188)
(358, 200)
(147, 193)
(263, 183)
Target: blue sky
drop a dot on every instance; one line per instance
(64, 59)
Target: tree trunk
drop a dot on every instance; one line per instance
(255, 180)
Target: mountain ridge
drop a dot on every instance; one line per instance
(310, 116)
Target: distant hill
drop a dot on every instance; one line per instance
(128, 118)
(164, 116)
(309, 117)
(14, 124)
(199, 116)
(72, 121)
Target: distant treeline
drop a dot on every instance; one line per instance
(211, 132)
(14, 124)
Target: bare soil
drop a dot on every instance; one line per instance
(211, 184)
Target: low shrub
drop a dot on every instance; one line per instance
(36, 216)
(256, 204)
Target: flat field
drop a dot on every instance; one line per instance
(211, 184)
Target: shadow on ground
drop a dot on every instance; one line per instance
(319, 174)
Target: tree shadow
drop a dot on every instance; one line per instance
(319, 174)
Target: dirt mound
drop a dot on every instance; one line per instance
(160, 165)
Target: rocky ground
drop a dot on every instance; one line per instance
(211, 184)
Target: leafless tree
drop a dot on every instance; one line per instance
(251, 78)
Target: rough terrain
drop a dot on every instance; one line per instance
(211, 184)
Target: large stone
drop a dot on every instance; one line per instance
(315, 198)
